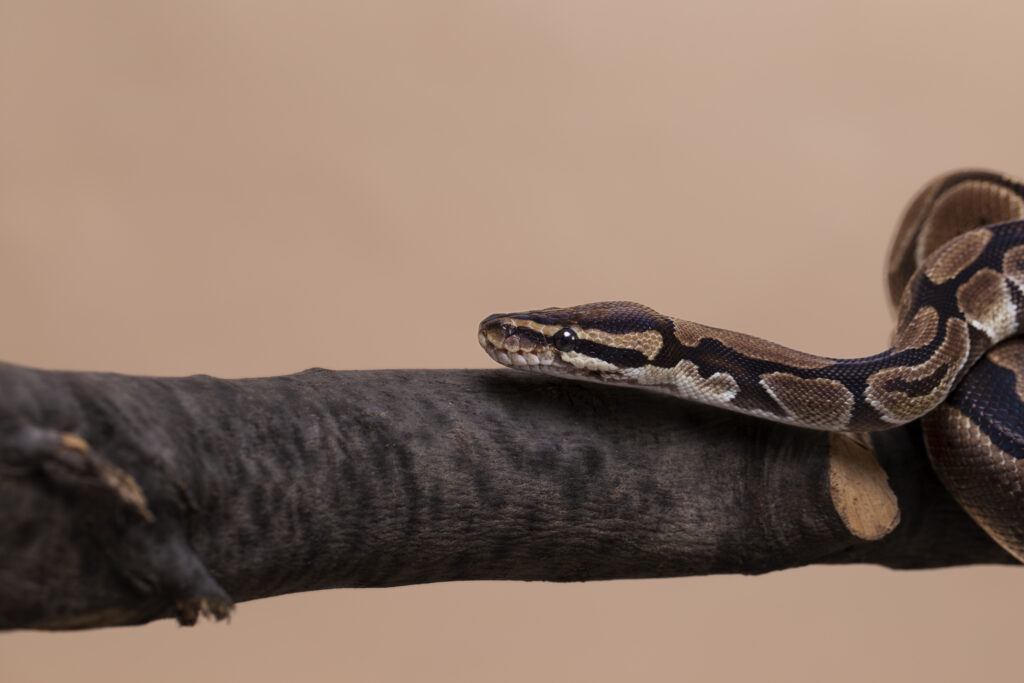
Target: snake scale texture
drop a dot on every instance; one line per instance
(956, 362)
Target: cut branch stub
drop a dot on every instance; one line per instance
(860, 488)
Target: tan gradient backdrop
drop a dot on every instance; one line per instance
(253, 188)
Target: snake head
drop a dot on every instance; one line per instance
(606, 341)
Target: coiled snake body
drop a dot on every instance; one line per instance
(956, 273)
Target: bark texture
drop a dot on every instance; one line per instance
(126, 499)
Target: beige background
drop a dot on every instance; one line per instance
(253, 188)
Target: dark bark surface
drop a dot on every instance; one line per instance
(126, 499)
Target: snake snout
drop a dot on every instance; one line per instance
(498, 332)
(513, 342)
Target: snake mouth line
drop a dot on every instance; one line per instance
(518, 359)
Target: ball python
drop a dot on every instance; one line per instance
(956, 278)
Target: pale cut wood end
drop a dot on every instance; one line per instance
(860, 488)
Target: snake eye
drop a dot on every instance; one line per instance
(565, 340)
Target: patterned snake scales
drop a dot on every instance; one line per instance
(956, 274)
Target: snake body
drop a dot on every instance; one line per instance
(956, 274)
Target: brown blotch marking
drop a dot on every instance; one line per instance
(902, 256)
(952, 258)
(1010, 355)
(919, 331)
(690, 333)
(1013, 265)
(897, 407)
(821, 403)
(986, 303)
(967, 205)
(647, 343)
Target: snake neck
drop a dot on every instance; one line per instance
(962, 301)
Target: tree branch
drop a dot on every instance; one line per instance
(127, 499)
